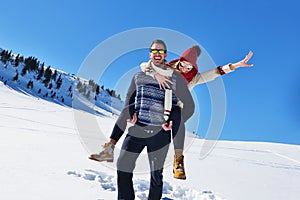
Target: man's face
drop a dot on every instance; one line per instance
(158, 56)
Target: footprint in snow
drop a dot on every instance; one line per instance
(141, 187)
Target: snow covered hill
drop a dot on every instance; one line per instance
(42, 157)
(29, 76)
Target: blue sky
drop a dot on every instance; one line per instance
(262, 102)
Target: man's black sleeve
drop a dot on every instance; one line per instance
(130, 99)
(126, 113)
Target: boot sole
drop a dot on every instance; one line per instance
(179, 177)
(107, 160)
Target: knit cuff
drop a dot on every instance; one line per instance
(225, 69)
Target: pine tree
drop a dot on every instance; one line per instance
(54, 75)
(17, 60)
(53, 95)
(113, 93)
(88, 94)
(24, 70)
(30, 84)
(83, 89)
(47, 75)
(59, 82)
(119, 97)
(97, 90)
(15, 78)
(108, 91)
(31, 63)
(41, 72)
(79, 86)
(50, 86)
(5, 55)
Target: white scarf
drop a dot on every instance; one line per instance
(165, 72)
(168, 92)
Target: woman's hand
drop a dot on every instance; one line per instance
(242, 63)
(163, 81)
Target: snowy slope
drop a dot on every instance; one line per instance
(13, 75)
(42, 157)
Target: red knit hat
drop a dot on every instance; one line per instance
(190, 55)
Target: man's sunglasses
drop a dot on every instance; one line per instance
(160, 51)
(187, 66)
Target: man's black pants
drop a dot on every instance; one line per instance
(157, 142)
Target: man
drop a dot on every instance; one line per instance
(186, 64)
(147, 114)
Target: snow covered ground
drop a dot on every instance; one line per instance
(43, 157)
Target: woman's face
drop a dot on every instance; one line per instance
(185, 67)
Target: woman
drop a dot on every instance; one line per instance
(187, 66)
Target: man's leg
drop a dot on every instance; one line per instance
(131, 149)
(157, 147)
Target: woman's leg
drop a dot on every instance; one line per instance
(178, 130)
(178, 134)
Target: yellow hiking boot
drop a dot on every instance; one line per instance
(178, 167)
(106, 154)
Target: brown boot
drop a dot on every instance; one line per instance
(178, 167)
